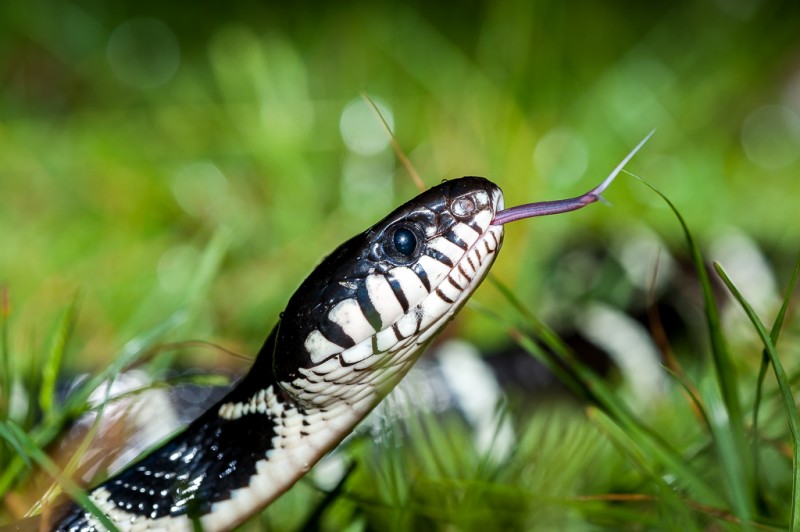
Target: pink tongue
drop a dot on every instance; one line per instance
(544, 208)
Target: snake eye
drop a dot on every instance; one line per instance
(403, 243)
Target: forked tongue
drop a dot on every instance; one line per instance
(544, 208)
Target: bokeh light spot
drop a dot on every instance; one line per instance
(561, 156)
(201, 189)
(771, 137)
(741, 9)
(366, 185)
(361, 130)
(143, 53)
(175, 268)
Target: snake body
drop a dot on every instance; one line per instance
(347, 336)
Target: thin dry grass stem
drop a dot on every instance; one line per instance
(656, 325)
(5, 301)
(199, 344)
(5, 367)
(398, 151)
(661, 340)
(616, 497)
(156, 350)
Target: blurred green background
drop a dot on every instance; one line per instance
(198, 157)
(148, 146)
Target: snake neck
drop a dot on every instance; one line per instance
(233, 460)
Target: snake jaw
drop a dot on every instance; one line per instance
(374, 325)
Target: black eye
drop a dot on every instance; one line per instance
(405, 242)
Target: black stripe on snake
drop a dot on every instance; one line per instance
(347, 336)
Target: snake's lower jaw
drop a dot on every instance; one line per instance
(373, 366)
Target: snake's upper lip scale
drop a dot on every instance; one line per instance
(544, 208)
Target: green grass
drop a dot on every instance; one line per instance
(136, 218)
(691, 461)
(33, 422)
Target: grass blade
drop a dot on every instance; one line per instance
(774, 334)
(52, 363)
(12, 441)
(5, 362)
(612, 405)
(783, 384)
(641, 460)
(740, 472)
(131, 352)
(547, 359)
(726, 373)
(5, 355)
(692, 393)
(314, 520)
(77, 401)
(29, 448)
(727, 452)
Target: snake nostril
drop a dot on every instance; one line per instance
(462, 207)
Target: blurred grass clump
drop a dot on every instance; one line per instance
(189, 165)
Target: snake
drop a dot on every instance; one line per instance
(346, 337)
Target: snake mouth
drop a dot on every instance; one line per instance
(546, 208)
(393, 314)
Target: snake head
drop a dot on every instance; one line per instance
(358, 322)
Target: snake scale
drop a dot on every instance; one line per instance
(347, 336)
